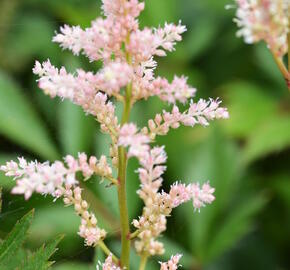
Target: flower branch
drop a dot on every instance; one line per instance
(127, 75)
(267, 21)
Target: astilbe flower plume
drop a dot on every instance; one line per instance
(264, 20)
(127, 75)
(268, 21)
(158, 205)
(59, 180)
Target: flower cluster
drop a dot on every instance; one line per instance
(178, 90)
(45, 178)
(105, 36)
(198, 113)
(104, 41)
(109, 264)
(158, 205)
(82, 89)
(137, 142)
(88, 228)
(264, 20)
(59, 180)
(172, 264)
(127, 75)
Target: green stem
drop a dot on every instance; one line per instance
(134, 234)
(125, 230)
(143, 262)
(123, 208)
(127, 104)
(288, 39)
(289, 47)
(112, 179)
(125, 254)
(282, 68)
(106, 250)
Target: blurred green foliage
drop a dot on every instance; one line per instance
(246, 158)
(14, 256)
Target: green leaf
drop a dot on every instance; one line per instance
(281, 186)
(271, 136)
(152, 14)
(215, 160)
(20, 123)
(265, 62)
(15, 239)
(73, 266)
(0, 199)
(206, 30)
(71, 11)
(39, 260)
(249, 106)
(236, 224)
(100, 256)
(20, 255)
(53, 220)
(21, 46)
(76, 129)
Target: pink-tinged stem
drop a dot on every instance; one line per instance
(288, 36)
(283, 69)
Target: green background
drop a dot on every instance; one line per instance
(246, 158)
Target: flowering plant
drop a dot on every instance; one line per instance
(127, 76)
(267, 20)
